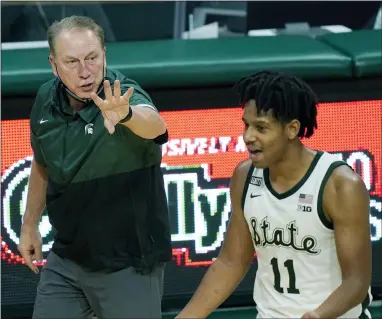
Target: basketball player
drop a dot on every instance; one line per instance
(304, 213)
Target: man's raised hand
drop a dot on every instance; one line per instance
(115, 107)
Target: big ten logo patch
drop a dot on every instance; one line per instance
(304, 208)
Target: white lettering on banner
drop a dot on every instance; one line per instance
(198, 145)
(375, 221)
(210, 206)
(240, 146)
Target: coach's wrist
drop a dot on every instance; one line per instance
(30, 221)
(127, 117)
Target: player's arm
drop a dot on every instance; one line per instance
(346, 202)
(233, 261)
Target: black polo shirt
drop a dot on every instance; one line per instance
(105, 198)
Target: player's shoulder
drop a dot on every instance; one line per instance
(337, 171)
(242, 168)
(344, 181)
(237, 184)
(240, 174)
(344, 189)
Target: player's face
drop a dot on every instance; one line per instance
(264, 136)
(79, 61)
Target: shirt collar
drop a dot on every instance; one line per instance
(89, 112)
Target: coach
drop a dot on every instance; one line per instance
(96, 137)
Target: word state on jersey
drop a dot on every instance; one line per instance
(266, 232)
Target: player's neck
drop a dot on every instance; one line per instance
(292, 167)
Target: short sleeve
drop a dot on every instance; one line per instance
(140, 96)
(139, 99)
(35, 114)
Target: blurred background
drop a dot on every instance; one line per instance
(187, 55)
(143, 20)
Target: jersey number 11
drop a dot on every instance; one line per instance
(292, 276)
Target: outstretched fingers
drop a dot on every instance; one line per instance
(128, 94)
(108, 91)
(117, 90)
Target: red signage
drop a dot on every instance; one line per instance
(203, 149)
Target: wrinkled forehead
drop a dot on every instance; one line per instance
(77, 43)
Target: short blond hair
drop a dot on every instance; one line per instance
(73, 22)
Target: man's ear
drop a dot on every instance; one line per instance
(293, 128)
(53, 65)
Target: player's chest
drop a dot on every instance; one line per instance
(291, 222)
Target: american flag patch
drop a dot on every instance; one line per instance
(305, 199)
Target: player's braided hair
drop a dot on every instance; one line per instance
(286, 96)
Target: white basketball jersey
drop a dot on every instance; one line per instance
(295, 247)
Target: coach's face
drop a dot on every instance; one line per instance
(79, 61)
